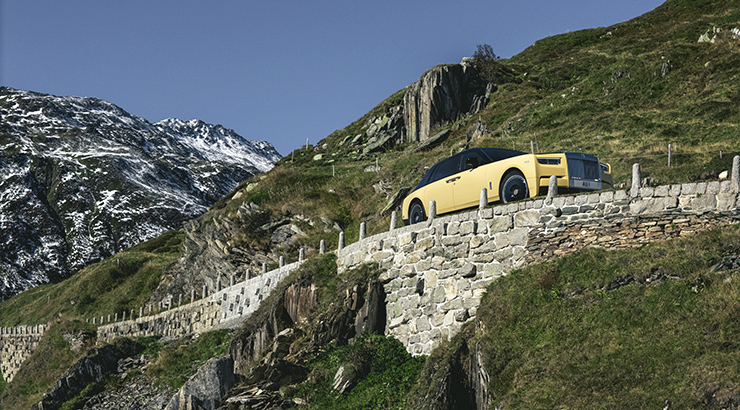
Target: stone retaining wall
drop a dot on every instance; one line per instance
(435, 273)
(225, 308)
(16, 344)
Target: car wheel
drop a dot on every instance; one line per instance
(416, 213)
(513, 187)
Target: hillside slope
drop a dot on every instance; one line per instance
(623, 93)
(654, 325)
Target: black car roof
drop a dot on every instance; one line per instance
(493, 154)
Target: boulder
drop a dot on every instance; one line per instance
(205, 389)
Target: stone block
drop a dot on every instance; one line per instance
(701, 188)
(439, 294)
(661, 191)
(424, 244)
(621, 195)
(501, 241)
(467, 228)
(486, 213)
(477, 241)
(726, 201)
(704, 203)
(450, 289)
(437, 262)
(382, 255)
(647, 206)
(500, 224)
(519, 236)
(527, 218)
(430, 279)
(423, 325)
(493, 270)
(453, 228)
(406, 238)
(606, 197)
(467, 271)
(675, 190)
(713, 188)
(647, 192)
(688, 189)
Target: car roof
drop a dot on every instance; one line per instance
(493, 154)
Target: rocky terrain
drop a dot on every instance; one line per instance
(81, 179)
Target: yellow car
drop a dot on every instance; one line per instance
(455, 183)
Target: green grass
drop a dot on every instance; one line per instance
(389, 373)
(45, 366)
(178, 361)
(555, 336)
(117, 284)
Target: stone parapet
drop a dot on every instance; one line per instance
(434, 275)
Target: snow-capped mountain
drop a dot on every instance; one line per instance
(81, 179)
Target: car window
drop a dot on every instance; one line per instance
(472, 159)
(498, 154)
(446, 168)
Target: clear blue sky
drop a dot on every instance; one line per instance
(282, 71)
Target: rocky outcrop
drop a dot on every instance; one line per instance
(440, 97)
(89, 370)
(205, 389)
(458, 380)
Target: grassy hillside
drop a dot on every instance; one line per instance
(120, 283)
(588, 330)
(622, 93)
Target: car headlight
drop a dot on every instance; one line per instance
(549, 161)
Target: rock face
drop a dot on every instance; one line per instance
(440, 96)
(207, 387)
(91, 369)
(81, 179)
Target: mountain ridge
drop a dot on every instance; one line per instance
(82, 178)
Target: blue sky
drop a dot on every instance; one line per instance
(282, 71)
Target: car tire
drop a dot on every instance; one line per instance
(416, 213)
(513, 187)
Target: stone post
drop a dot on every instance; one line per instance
(115, 318)
(394, 220)
(205, 291)
(636, 181)
(141, 312)
(132, 314)
(363, 230)
(282, 261)
(341, 241)
(552, 189)
(248, 275)
(301, 254)
(179, 300)
(483, 199)
(94, 320)
(264, 267)
(231, 280)
(432, 212)
(322, 247)
(124, 316)
(108, 319)
(101, 320)
(218, 284)
(192, 295)
(735, 181)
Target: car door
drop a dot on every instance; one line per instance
(442, 189)
(470, 180)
